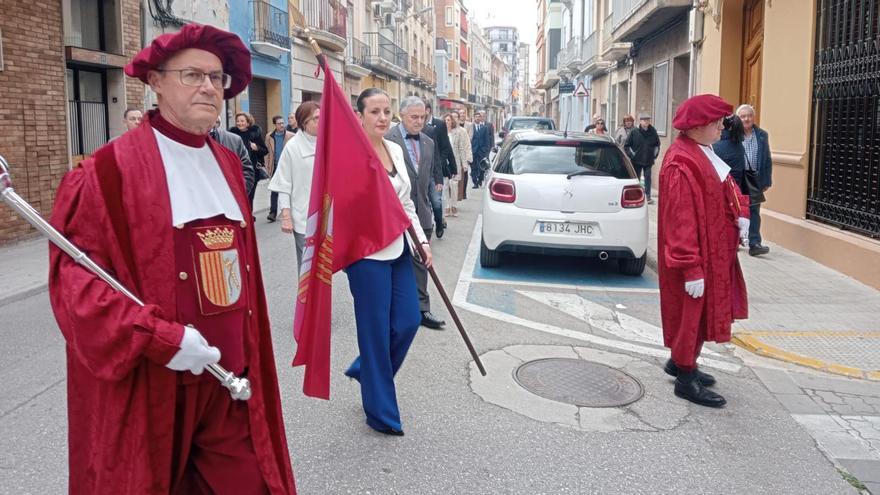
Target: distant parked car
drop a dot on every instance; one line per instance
(555, 194)
(523, 123)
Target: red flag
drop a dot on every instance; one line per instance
(353, 212)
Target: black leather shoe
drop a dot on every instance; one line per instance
(392, 432)
(758, 250)
(688, 387)
(440, 229)
(432, 321)
(706, 379)
(270, 218)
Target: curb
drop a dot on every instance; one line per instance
(24, 293)
(751, 342)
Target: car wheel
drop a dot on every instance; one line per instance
(632, 266)
(488, 257)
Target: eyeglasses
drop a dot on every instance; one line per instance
(195, 77)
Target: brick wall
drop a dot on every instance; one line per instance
(33, 124)
(131, 37)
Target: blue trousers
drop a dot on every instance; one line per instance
(386, 310)
(755, 225)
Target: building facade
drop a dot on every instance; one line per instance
(453, 30)
(505, 44)
(327, 21)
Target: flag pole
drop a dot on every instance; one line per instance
(298, 19)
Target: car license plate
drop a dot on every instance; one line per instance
(567, 228)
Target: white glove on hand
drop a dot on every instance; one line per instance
(194, 353)
(695, 288)
(743, 231)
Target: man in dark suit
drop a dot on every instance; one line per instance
(234, 144)
(436, 130)
(424, 175)
(481, 144)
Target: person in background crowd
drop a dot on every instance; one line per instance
(383, 285)
(291, 123)
(292, 182)
(730, 149)
(599, 128)
(757, 152)
(461, 147)
(132, 117)
(596, 118)
(234, 144)
(702, 219)
(275, 142)
(436, 130)
(418, 154)
(170, 221)
(643, 146)
(622, 132)
(482, 143)
(464, 121)
(252, 137)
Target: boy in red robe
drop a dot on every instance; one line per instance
(702, 219)
(164, 209)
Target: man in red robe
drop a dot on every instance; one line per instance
(702, 219)
(164, 209)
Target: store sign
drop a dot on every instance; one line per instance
(566, 87)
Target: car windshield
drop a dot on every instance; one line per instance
(566, 157)
(530, 124)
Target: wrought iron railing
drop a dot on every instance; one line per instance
(88, 126)
(382, 47)
(270, 24)
(325, 15)
(356, 52)
(844, 185)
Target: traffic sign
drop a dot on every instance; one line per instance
(581, 90)
(566, 87)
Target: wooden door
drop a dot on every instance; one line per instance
(753, 50)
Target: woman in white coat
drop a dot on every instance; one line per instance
(461, 149)
(293, 179)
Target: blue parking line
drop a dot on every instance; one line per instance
(563, 270)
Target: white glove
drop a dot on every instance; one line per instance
(695, 288)
(743, 231)
(194, 353)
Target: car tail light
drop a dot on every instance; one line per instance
(502, 190)
(632, 197)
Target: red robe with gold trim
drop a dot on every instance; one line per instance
(120, 394)
(697, 237)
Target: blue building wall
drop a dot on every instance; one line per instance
(241, 22)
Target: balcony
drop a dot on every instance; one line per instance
(611, 51)
(414, 70)
(634, 19)
(571, 56)
(326, 22)
(593, 63)
(561, 68)
(464, 23)
(269, 31)
(427, 74)
(356, 55)
(385, 56)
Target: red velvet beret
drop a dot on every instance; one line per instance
(700, 110)
(233, 54)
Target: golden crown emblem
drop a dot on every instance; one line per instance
(219, 238)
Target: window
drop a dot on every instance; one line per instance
(450, 51)
(450, 16)
(565, 157)
(661, 97)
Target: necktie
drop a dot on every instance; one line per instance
(413, 136)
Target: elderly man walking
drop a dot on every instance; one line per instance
(757, 150)
(165, 209)
(643, 146)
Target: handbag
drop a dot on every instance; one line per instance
(261, 172)
(750, 184)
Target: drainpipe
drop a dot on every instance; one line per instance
(695, 38)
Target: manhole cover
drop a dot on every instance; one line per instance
(578, 382)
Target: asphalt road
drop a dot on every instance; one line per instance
(458, 441)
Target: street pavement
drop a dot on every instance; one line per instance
(787, 428)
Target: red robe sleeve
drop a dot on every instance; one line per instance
(107, 332)
(682, 251)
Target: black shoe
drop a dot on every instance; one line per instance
(440, 229)
(432, 321)
(706, 379)
(475, 187)
(392, 432)
(271, 218)
(758, 250)
(688, 387)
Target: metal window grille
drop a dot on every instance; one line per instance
(844, 188)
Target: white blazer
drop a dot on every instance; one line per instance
(403, 189)
(293, 177)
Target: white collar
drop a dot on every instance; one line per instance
(721, 168)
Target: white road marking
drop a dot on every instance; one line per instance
(463, 287)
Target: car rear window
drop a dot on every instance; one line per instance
(565, 157)
(531, 124)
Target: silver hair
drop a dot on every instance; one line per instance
(410, 101)
(747, 107)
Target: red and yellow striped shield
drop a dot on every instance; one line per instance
(221, 276)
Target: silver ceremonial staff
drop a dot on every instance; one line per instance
(239, 388)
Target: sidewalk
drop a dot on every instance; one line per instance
(804, 313)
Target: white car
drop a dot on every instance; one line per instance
(555, 193)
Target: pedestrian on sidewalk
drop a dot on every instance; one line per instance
(461, 148)
(702, 219)
(423, 175)
(164, 209)
(133, 118)
(275, 142)
(592, 125)
(623, 132)
(292, 125)
(292, 181)
(758, 161)
(599, 128)
(469, 128)
(383, 285)
(643, 146)
(481, 144)
(234, 144)
(436, 129)
(252, 137)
